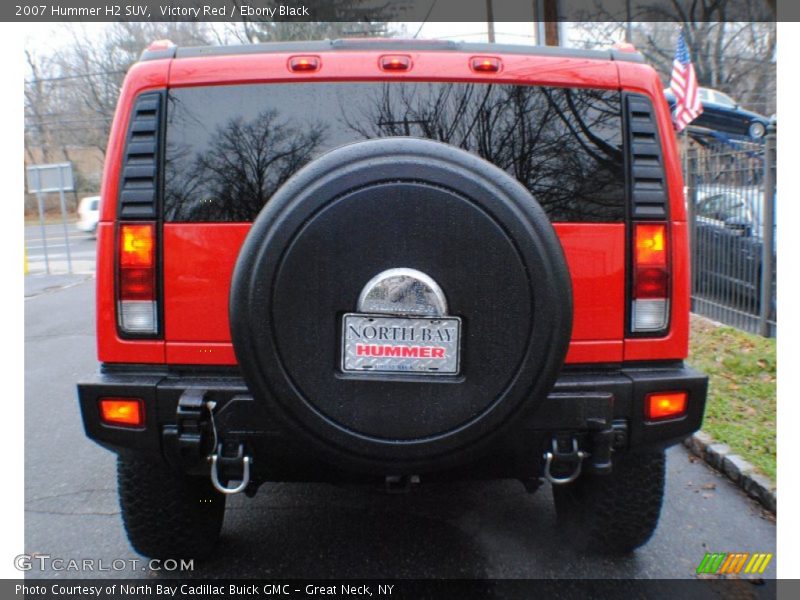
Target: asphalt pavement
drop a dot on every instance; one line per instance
(463, 530)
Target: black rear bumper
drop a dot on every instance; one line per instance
(177, 428)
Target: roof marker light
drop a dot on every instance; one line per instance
(395, 62)
(306, 64)
(486, 64)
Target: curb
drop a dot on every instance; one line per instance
(738, 470)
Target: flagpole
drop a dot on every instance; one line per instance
(685, 156)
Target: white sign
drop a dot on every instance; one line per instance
(50, 178)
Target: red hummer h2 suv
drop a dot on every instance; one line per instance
(396, 262)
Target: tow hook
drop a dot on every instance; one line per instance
(237, 465)
(230, 457)
(574, 457)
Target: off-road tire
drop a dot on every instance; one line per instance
(166, 513)
(615, 513)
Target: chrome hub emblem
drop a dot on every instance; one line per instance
(401, 327)
(403, 292)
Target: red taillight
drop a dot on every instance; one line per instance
(650, 283)
(650, 290)
(304, 63)
(136, 278)
(485, 64)
(665, 405)
(395, 62)
(125, 412)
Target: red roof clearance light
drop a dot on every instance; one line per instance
(304, 64)
(395, 62)
(486, 64)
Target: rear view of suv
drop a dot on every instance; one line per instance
(392, 262)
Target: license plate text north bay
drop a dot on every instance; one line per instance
(375, 343)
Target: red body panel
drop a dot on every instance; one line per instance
(198, 259)
(198, 264)
(110, 347)
(596, 259)
(641, 78)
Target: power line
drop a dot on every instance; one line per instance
(79, 76)
(425, 20)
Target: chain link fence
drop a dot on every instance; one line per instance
(731, 194)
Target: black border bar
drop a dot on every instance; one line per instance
(398, 10)
(397, 589)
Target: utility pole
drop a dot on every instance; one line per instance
(551, 22)
(628, 26)
(490, 20)
(545, 14)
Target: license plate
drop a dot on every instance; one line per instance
(389, 344)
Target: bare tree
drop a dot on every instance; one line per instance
(37, 106)
(736, 57)
(96, 66)
(244, 166)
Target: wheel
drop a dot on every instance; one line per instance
(166, 513)
(756, 130)
(614, 513)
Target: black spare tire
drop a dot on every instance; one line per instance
(375, 205)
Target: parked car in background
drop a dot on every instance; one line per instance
(89, 214)
(722, 113)
(729, 236)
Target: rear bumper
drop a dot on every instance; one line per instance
(175, 431)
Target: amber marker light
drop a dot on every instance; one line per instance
(124, 412)
(665, 405)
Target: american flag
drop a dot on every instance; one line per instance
(684, 86)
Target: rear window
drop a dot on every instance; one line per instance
(229, 148)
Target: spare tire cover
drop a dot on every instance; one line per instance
(362, 209)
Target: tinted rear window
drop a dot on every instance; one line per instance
(229, 148)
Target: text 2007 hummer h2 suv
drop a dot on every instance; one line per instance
(391, 261)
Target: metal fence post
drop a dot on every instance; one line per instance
(64, 217)
(768, 233)
(40, 202)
